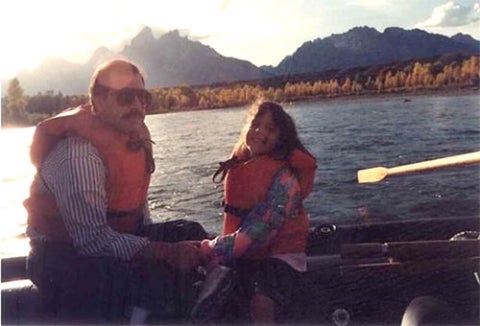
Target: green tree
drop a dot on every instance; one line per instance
(13, 106)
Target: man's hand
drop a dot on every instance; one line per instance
(182, 255)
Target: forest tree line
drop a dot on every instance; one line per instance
(19, 109)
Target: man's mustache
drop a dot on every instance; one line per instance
(133, 114)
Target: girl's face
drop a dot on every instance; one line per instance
(262, 135)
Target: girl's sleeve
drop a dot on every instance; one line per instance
(263, 222)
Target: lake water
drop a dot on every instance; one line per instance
(345, 136)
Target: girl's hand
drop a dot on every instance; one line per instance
(206, 247)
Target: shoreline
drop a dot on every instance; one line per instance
(405, 95)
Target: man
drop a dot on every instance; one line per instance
(94, 252)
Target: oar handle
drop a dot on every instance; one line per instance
(436, 163)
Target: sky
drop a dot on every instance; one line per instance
(260, 31)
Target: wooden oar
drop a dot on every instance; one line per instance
(379, 173)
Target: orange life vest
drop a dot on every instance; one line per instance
(247, 184)
(127, 174)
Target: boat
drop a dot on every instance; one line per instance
(408, 272)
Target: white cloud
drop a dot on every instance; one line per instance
(370, 4)
(452, 14)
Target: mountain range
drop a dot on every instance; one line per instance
(173, 60)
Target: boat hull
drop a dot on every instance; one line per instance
(341, 288)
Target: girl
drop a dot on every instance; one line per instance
(265, 225)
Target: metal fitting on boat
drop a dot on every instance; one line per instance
(341, 317)
(327, 228)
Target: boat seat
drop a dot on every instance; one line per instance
(320, 261)
(21, 303)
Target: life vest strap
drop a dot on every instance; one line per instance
(126, 221)
(241, 213)
(137, 212)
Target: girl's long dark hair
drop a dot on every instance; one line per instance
(288, 138)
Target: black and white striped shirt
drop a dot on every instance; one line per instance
(75, 173)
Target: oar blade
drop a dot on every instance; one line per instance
(372, 175)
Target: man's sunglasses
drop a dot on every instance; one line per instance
(126, 96)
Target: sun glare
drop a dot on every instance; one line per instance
(16, 173)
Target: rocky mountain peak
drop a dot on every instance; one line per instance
(143, 38)
(173, 59)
